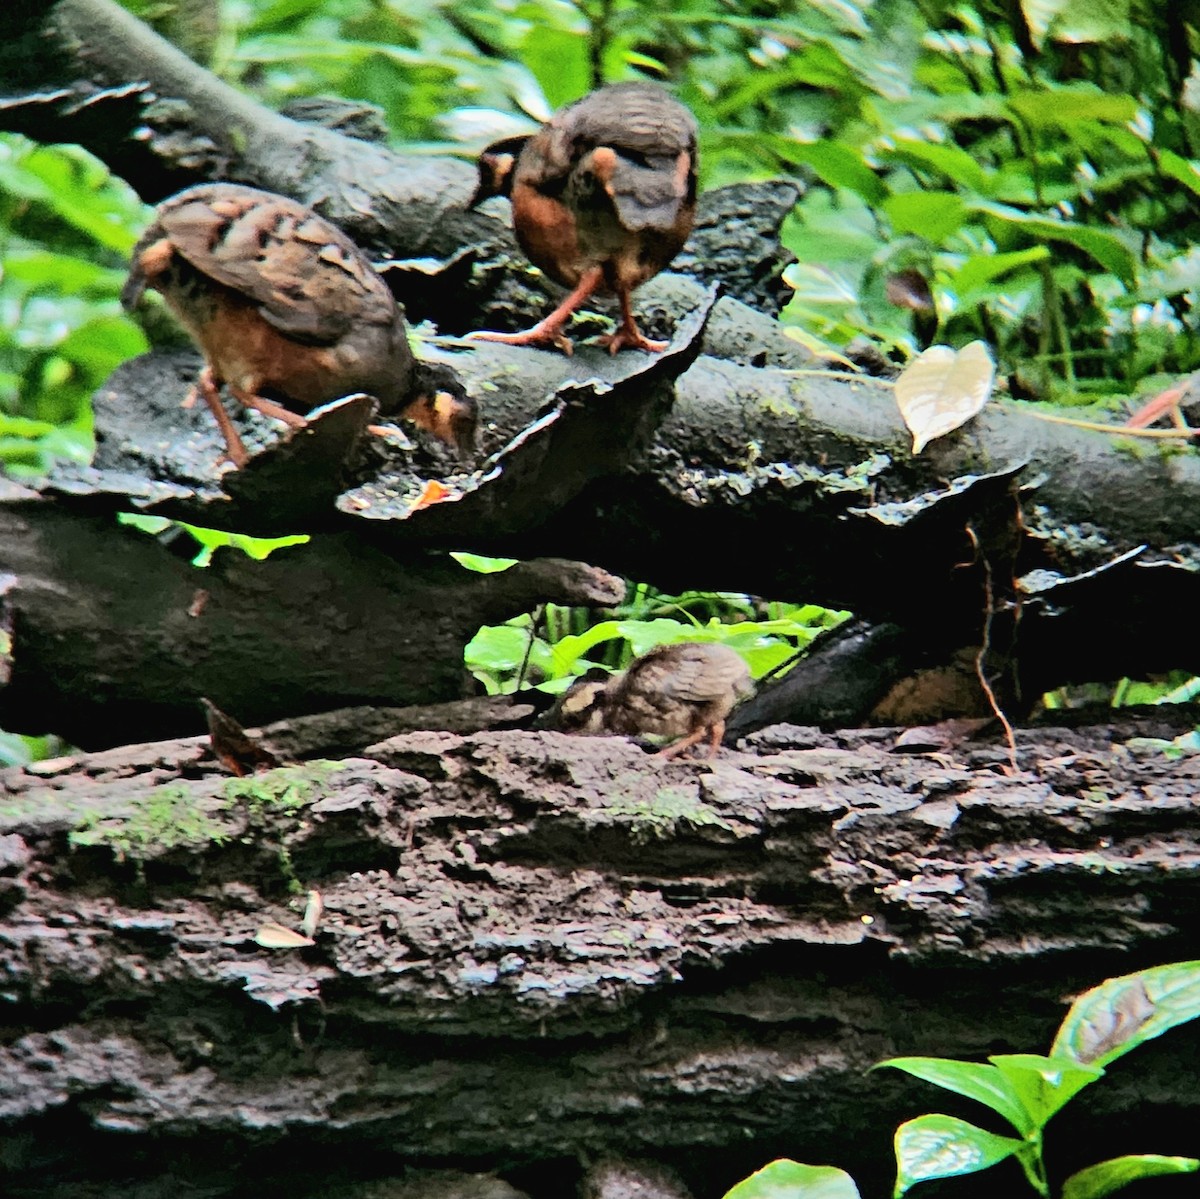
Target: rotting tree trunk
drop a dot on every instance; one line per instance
(537, 947)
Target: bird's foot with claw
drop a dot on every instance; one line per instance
(545, 337)
(631, 337)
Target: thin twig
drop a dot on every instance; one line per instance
(538, 613)
(981, 657)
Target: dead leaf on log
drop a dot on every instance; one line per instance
(942, 388)
(232, 746)
(937, 738)
(278, 936)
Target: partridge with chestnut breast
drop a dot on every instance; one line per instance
(603, 198)
(683, 691)
(287, 311)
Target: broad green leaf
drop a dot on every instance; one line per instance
(982, 269)
(1105, 1178)
(1066, 106)
(931, 215)
(951, 161)
(942, 389)
(1182, 170)
(939, 1146)
(1106, 248)
(1086, 21)
(785, 1179)
(1120, 1014)
(972, 1079)
(559, 60)
(1043, 1084)
(840, 166)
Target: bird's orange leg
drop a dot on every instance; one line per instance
(206, 385)
(628, 334)
(715, 736)
(268, 408)
(549, 332)
(673, 751)
(1164, 402)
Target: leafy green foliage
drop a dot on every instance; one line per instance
(946, 1147)
(784, 1179)
(16, 750)
(66, 229)
(1106, 1178)
(555, 650)
(1123, 1013)
(1027, 1089)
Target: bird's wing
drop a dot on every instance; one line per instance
(689, 672)
(309, 280)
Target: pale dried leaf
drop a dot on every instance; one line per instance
(276, 936)
(941, 389)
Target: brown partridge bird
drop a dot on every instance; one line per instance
(603, 197)
(682, 691)
(283, 304)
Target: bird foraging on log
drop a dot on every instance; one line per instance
(683, 692)
(287, 311)
(603, 197)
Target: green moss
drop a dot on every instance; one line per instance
(660, 817)
(1131, 447)
(285, 789)
(164, 818)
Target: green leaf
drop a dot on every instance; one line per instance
(1066, 106)
(480, 564)
(1104, 1178)
(1086, 21)
(785, 1179)
(1122, 1013)
(1043, 1084)
(980, 270)
(972, 1079)
(1182, 170)
(945, 1147)
(840, 166)
(951, 161)
(931, 215)
(559, 60)
(1106, 248)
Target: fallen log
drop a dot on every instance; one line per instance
(537, 948)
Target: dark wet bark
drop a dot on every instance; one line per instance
(536, 948)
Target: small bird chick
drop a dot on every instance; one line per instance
(683, 692)
(283, 304)
(603, 198)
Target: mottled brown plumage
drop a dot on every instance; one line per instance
(603, 198)
(683, 692)
(282, 302)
